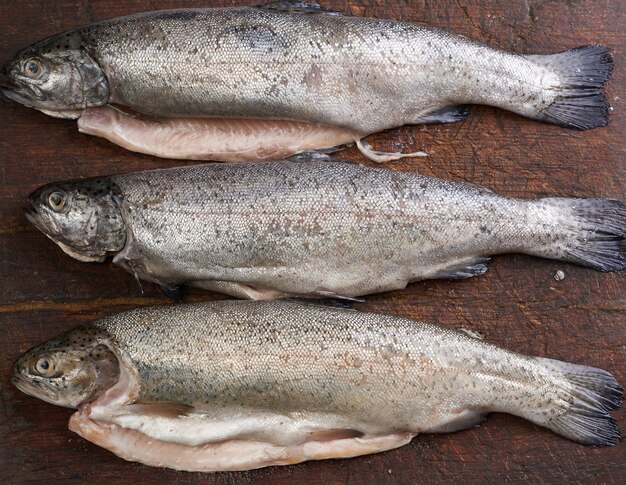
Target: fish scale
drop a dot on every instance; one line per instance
(335, 79)
(200, 382)
(321, 228)
(254, 63)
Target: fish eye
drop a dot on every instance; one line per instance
(44, 366)
(33, 68)
(56, 200)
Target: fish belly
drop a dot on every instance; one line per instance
(219, 139)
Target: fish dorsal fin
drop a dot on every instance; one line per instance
(290, 6)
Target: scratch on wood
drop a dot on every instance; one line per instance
(81, 306)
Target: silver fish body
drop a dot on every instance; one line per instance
(200, 386)
(321, 228)
(253, 63)
(359, 75)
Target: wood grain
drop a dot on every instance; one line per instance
(517, 304)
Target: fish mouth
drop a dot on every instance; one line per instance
(30, 388)
(10, 89)
(54, 234)
(10, 92)
(5, 80)
(33, 216)
(22, 384)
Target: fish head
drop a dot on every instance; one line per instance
(68, 370)
(56, 76)
(84, 218)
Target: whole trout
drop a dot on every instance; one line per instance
(277, 63)
(237, 385)
(320, 228)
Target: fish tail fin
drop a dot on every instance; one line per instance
(583, 71)
(590, 395)
(592, 233)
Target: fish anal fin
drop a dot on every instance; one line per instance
(449, 114)
(173, 292)
(461, 419)
(292, 6)
(462, 269)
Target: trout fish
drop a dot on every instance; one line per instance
(236, 385)
(290, 78)
(321, 228)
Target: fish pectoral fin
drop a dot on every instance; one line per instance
(327, 302)
(124, 110)
(462, 269)
(332, 294)
(63, 114)
(293, 6)
(449, 114)
(238, 290)
(383, 157)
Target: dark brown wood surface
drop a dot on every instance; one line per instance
(517, 303)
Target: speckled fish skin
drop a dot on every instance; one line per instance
(360, 74)
(319, 228)
(280, 372)
(268, 64)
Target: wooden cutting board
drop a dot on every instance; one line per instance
(517, 303)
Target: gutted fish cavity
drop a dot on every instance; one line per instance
(237, 385)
